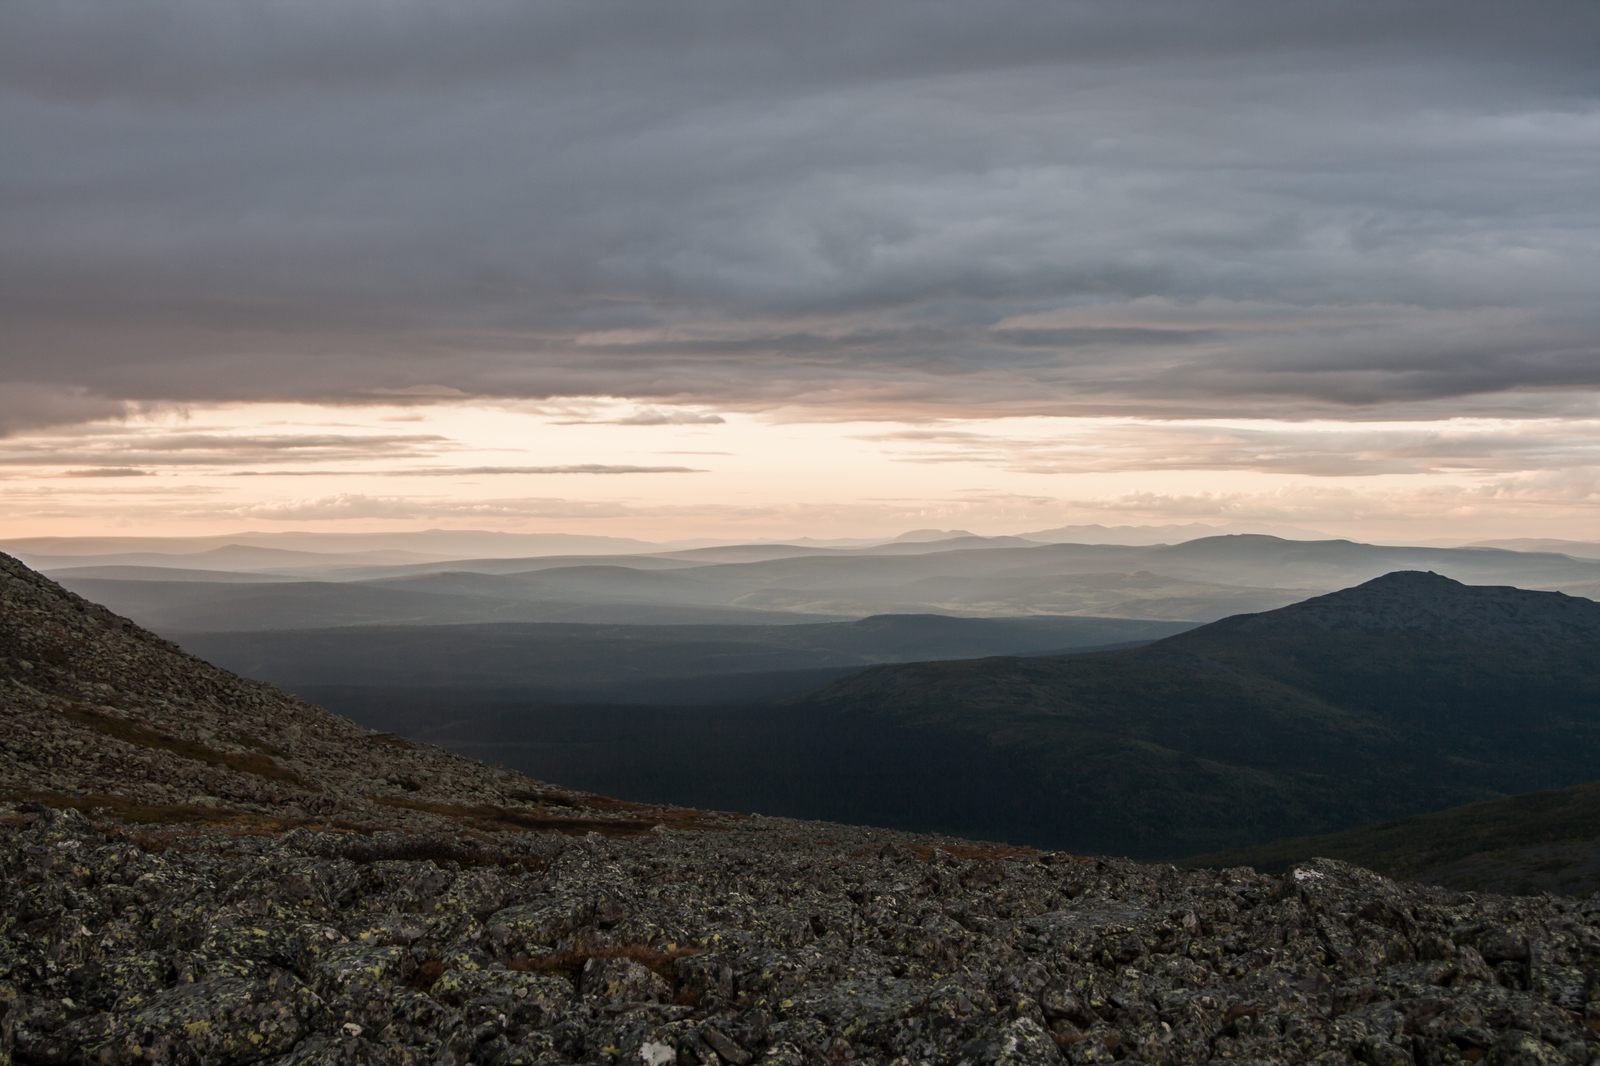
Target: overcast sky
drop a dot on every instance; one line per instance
(1134, 258)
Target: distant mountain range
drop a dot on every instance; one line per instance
(1580, 549)
(1166, 534)
(470, 543)
(1196, 581)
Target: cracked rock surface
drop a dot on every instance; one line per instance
(776, 942)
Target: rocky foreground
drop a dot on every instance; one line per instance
(775, 942)
(197, 869)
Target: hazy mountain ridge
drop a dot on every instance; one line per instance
(1137, 595)
(1230, 733)
(1578, 549)
(189, 605)
(1196, 581)
(130, 572)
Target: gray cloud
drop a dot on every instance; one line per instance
(30, 404)
(670, 418)
(650, 416)
(207, 449)
(359, 505)
(1449, 448)
(853, 207)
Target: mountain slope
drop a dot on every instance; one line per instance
(1407, 694)
(100, 713)
(556, 657)
(1547, 841)
(1498, 671)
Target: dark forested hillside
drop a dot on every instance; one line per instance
(1407, 694)
(638, 663)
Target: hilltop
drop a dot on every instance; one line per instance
(260, 881)
(1407, 694)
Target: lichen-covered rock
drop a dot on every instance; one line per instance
(222, 1020)
(623, 979)
(778, 942)
(350, 969)
(531, 927)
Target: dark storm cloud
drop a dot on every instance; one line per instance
(851, 206)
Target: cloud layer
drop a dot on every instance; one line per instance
(904, 209)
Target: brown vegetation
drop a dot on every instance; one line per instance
(569, 962)
(544, 819)
(145, 737)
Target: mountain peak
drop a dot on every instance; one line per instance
(1419, 600)
(920, 536)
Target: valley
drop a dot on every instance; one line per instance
(1155, 701)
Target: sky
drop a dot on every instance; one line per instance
(751, 270)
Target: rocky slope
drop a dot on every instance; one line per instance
(102, 715)
(264, 883)
(775, 942)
